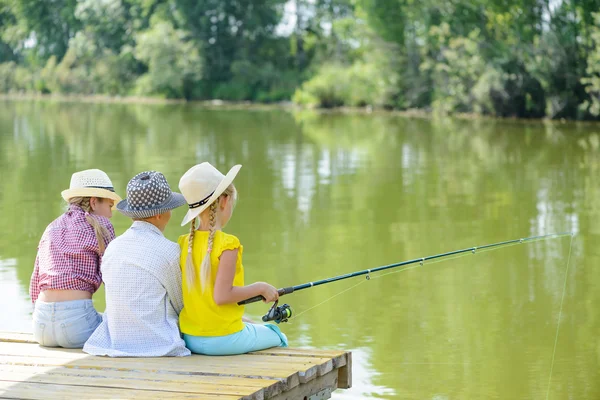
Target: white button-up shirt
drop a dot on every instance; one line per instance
(141, 273)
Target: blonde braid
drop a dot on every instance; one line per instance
(102, 234)
(190, 271)
(205, 273)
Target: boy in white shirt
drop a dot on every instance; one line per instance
(141, 273)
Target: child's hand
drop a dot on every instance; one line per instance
(269, 292)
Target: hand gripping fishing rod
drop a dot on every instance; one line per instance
(282, 313)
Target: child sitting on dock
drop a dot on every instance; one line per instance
(141, 274)
(67, 266)
(212, 272)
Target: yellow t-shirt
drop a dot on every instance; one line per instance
(201, 316)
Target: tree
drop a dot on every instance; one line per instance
(230, 30)
(592, 78)
(173, 60)
(51, 24)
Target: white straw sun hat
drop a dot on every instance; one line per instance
(201, 185)
(91, 183)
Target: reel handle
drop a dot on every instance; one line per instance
(254, 299)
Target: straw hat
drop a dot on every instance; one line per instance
(201, 185)
(149, 194)
(90, 183)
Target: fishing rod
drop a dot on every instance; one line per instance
(283, 313)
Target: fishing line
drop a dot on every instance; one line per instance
(454, 257)
(284, 312)
(475, 250)
(326, 300)
(361, 282)
(427, 263)
(559, 317)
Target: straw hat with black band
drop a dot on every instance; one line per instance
(201, 185)
(91, 183)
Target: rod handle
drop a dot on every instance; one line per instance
(254, 299)
(251, 300)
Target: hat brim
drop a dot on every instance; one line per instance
(194, 212)
(176, 200)
(91, 192)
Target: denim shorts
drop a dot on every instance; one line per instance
(64, 324)
(253, 337)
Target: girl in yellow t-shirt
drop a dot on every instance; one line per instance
(212, 272)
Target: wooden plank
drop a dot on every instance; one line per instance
(338, 357)
(120, 383)
(280, 372)
(69, 373)
(140, 375)
(345, 373)
(262, 388)
(132, 379)
(48, 391)
(305, 369)
(326, 382)
(300, 352)
(120, 365)
(16, 337)
(289, 379)
(259, 360)
(75, 354)
(20, 337)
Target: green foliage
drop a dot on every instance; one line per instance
(85, 69)
(106, 21)
(7, 76)
(358, 85)
(51, 24)
(456, 71)
(253, 82)
(368, 78)
(230, 31)
(173, 61)
(329, 88)
(592, 78)
(519, 58)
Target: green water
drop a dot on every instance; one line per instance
(322, 195)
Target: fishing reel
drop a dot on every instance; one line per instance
(278, 314)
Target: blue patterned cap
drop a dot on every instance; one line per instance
(149, 194)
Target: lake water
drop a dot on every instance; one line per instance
(323, 195)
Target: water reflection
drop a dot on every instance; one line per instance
(322, 195)
(15, 308)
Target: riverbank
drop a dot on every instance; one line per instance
(287, 106)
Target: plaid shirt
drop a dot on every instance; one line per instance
(68, 256)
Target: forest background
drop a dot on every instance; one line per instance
(507, 58)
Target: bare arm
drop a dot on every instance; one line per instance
(226, 293)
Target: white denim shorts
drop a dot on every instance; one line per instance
(64, 324)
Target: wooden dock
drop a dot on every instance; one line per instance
(29, 371)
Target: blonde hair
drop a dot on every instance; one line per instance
(102, 234)
(205, 267)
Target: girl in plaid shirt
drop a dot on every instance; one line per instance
(67, 266)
